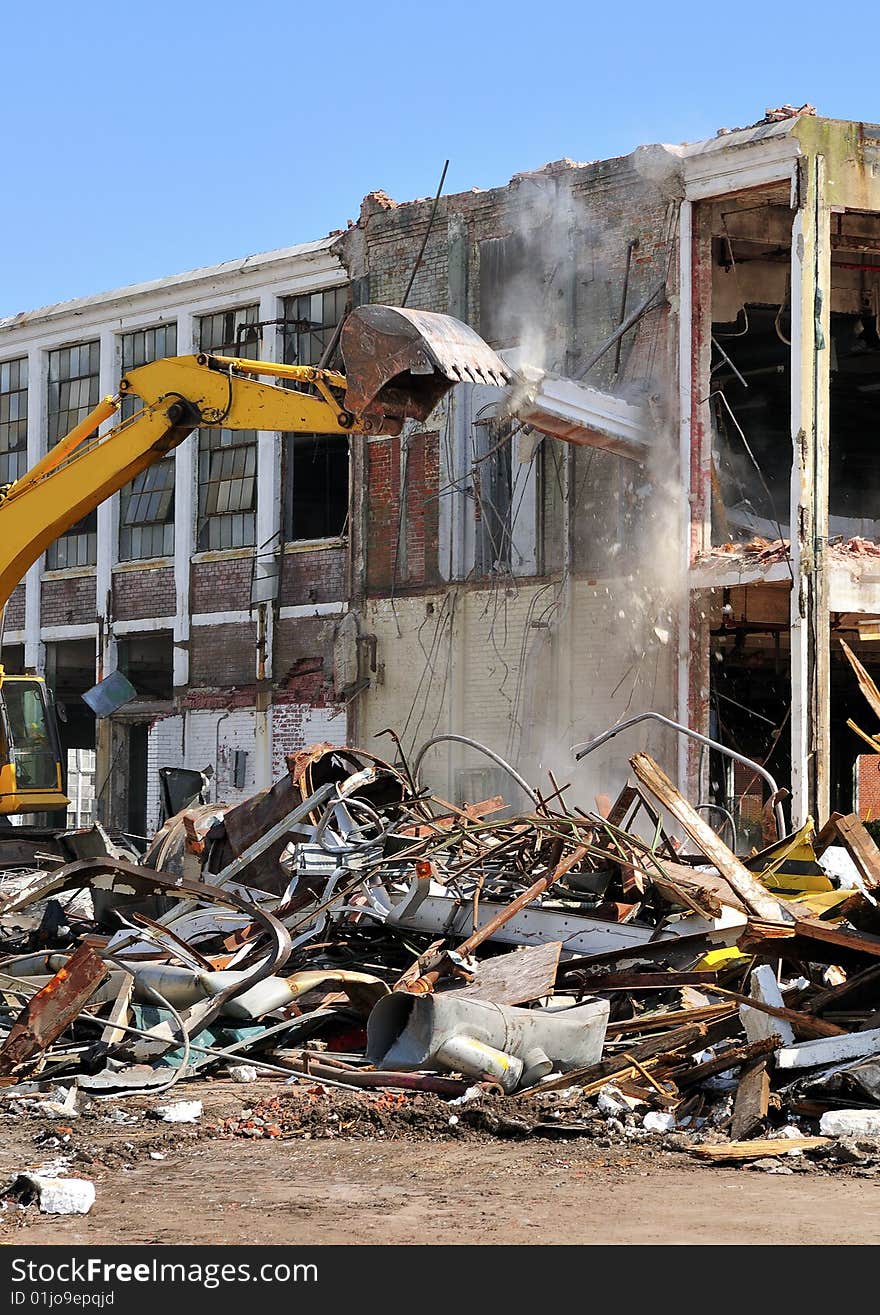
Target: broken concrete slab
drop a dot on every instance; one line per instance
(758, 1025)
(850, 1123)
(829, 1050)
(178, 1111)
(58, 1196)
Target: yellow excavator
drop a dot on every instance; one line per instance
(398, 364)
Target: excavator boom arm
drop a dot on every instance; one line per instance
(180, 393)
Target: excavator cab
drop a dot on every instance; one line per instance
(31, 778)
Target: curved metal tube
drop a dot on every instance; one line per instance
(481, 748)
(581, 751)
(726, 814)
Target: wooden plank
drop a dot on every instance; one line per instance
(622, 805)
(119, 1012)
(663, 981)
(682, 1038)
(710, 882)
(866, 684)
(803, 1023)
(674, 1018)
(752, 1099)
(862, 850)
(861, 941)
(757, 1150)
(515, 978)
(750, 890)
(827, 835)
(799, 949)
(734, 1057)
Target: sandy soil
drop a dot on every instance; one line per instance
(400, 1174)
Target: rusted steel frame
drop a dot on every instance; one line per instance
(106, 873)
(53, 1008)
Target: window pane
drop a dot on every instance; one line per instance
(146, 505)
(13, 420)
(227, 456)
(73, 392)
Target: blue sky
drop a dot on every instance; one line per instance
(143, 140)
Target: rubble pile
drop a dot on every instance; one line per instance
(548, 971)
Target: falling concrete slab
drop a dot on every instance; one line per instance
(577, 413)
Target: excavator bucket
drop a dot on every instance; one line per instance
(399, 363)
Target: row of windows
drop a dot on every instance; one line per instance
(315, 466)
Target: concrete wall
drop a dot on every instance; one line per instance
(486, 664)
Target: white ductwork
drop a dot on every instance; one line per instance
(480, 1039)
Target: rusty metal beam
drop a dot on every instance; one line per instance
(52, 1009)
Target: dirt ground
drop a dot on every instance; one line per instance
(260, 1167)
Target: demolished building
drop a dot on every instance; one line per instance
(701, 554)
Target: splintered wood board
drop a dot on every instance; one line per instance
(515, 978)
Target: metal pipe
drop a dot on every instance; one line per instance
(725, 813)
(581, 751)
(481, 748)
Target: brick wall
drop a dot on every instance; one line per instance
(204, 737)
(67, 601)
(165, 748)
(316, 576)
(212, 737)
(139, 595)
(560, 296)
(303, 660)
(868, 786)
(221, 586)
(222, 655)
(417, 530)
(15, 609)
(297, 725)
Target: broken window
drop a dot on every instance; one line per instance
(146, 505)
(493, 485)
(228, 457)
(751, 413)
(317, 484)
(13, 419)
(148, 662)
(74, 389)
(309, 324)
(315, 466)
